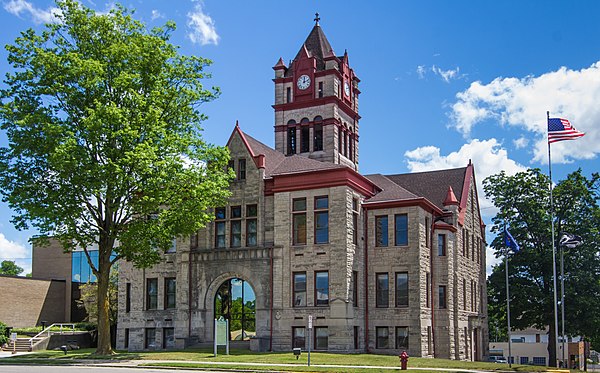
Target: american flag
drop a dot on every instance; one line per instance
(561, 129)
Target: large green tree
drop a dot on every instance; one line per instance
(523, 201)
(103, 123)
(9, 267)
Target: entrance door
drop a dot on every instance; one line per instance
(476, 344)
(235, 301)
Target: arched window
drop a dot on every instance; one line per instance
(291, 122)
(318, 119)
(304, 120)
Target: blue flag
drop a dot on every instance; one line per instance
(509, 241)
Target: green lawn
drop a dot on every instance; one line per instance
(245, 356)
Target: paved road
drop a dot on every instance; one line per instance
(86, 369)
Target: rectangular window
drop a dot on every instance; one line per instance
(467, 242)
(236, 226)
(442, 296)
(299, 221)
(356, 338)
(382, 290)
(168, 338)
(321, 288)
(381, 231)
(473, 247)
(464, 294)
(304, 139)
(427, 228)
(345, 144)
(383, 337)
(231, 165)
(321, 338)
(355, 228)
(291, 141)
(173, 248)
(126, 339)
(151, 293)
(402, 289)
(427, 289)
(299, 289)
(464, 242)
(220, 227)
(288, 94)
(340, 141)
(236, 233)
(298, 337)
(318, 137)
(321, 219)
(524, 360)
(251, 225)
(170, 292)
(320, 93)
(242, 169)
(539, 360)
(128, 297)
(402, 338)
(441, 245)
(150, 338)
(429, 340)
(355, 288)
(401, 229)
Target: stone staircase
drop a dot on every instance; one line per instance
(22, 344)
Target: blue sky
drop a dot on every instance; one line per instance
(442, 82)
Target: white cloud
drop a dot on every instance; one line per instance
(421, 71)
(446, 75)
(202, 27)
(14, 251)
(523, 102)
(156, 14)
(18, 7)
(521, 142)
(488, 157)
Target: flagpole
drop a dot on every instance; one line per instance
(562, 302)
(507, 300)
(553, 249)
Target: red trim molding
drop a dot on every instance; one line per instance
(320, 179)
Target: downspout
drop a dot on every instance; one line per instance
(366, 247)
(431, 283)
(271, 305)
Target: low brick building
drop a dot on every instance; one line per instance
(381, 263)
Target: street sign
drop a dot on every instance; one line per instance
(13, 336)
(310, 321)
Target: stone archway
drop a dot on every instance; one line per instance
(235, 300)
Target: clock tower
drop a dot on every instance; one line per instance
(316, 103)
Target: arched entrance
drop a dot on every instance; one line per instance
(235, 301)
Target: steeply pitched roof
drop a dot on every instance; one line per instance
(317, 46)
(390, 191)
(433, 185)
(273, 158)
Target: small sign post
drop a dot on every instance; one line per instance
(221, 334)
(13, 338)
(310, 319)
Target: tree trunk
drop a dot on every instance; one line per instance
(104, 347)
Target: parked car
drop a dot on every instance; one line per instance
(498, 359)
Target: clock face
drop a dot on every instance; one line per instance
(303, 82)
(347, 88)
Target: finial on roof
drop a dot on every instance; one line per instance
(317, 19)
(236, 123)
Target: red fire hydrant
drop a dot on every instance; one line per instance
(403, 360)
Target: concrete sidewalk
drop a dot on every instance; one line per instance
(149, 364)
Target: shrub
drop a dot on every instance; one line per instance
(3, 334)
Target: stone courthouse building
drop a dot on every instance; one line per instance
(380, 263)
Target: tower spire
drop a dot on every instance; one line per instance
(317, 19)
